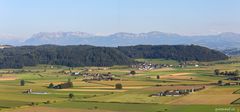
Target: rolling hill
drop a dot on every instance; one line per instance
(85, 55)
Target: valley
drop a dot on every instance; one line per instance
(102, 95)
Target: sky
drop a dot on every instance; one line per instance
(22, 18)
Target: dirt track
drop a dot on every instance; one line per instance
(178, 76)
(97, 90)
(5, 78)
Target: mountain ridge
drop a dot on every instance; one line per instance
(220, 41)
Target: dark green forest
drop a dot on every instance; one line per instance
(85, 55)
(175, 52)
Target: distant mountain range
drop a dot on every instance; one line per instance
(219, 41)
(232, 52)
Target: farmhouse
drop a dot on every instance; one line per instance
(234, 78)
(232, 83)
(29, 91)
(63, 85)
(75, 74)
(196, 65)
(221, 83)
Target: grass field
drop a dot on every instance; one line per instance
(142, 107)
(101, 96)
(158, 61)
(211, 95)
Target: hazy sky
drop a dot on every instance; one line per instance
(22, 18)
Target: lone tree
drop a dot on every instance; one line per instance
(118, 86)
(50, 85)
(217, 72)
(69, 79)
(158, 77)
(220, 82)
(22, 82)
(237, 72)
(132, 72)
(70, 95)
(70, 84)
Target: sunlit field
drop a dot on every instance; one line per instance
(101, 96)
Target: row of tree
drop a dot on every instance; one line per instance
(226, 73)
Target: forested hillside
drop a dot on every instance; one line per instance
(175, 52)
(84, 55)
(17, 57)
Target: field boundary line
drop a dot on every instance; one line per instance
(235, 101)
(101, 84)
(236, 92)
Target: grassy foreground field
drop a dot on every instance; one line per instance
(101, 96)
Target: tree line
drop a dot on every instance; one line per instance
(226, 73)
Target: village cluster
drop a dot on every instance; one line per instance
(95, 76)
(151, 66)
(178, 92)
